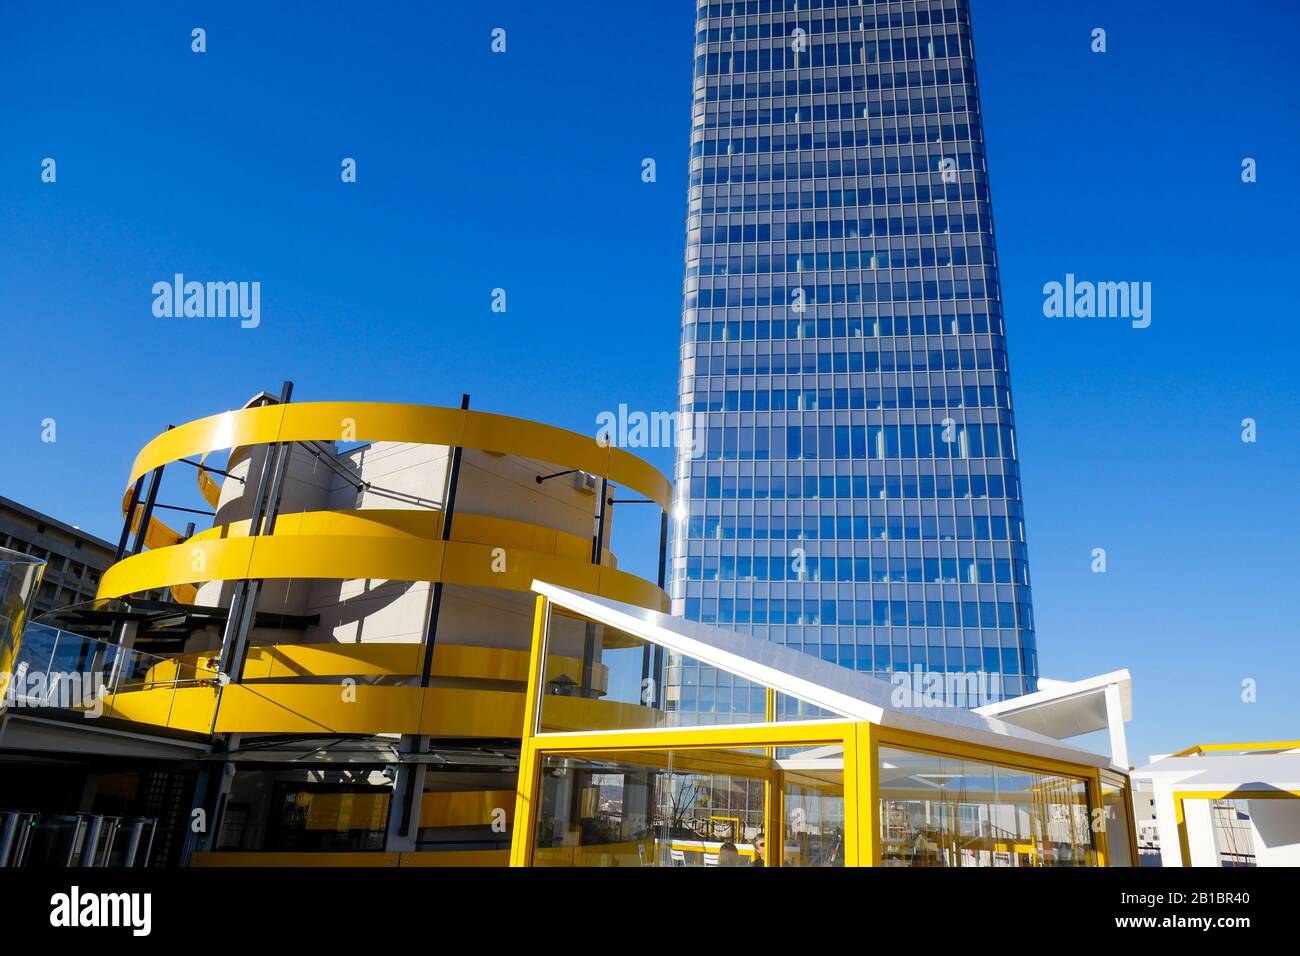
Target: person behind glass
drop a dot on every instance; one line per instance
(728, 855)
(760, 843)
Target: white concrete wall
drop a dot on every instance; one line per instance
(1275, 830)
(403, 475)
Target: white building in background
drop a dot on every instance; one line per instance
(1222, 805)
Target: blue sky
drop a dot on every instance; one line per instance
(522, 171)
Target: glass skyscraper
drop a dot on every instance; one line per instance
(852, 490)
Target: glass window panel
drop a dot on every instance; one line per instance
(938, 810)
(692, 807)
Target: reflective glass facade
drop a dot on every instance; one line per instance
(851, 486)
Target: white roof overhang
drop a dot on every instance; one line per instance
(1064, 709)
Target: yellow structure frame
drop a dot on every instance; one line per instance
(1200, 750)
(372, 543)
(1180, 818)
(860, 740)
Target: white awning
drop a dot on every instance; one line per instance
(1244, 773)
(1064, 709)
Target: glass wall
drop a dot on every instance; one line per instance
(812, 805)
(598, 677)
(20, 576)
(851, 484)
(307, 811)
(949, 811)
(1118, 842)
(652, 808)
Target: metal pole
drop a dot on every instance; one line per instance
(126, 522)
(155, 479)
(238, 599)
(598, 542)
(78, 822)
(148, 847)
(88, 855)
(8, 836)
(26, 824)
(133, 845)
(415, 743)
(663, 548)
(242, 613)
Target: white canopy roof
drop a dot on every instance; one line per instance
(1064, 709)
(839, 690)
(1243, 773)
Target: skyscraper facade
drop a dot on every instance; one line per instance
(852, 489)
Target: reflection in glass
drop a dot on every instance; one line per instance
(1118, 846)
(648, 808)
(813, 805)
(946, 811)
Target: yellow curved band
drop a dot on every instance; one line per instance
(361, 709)
(420, 424)
(374, 659)
(414, 523)
(381, 544)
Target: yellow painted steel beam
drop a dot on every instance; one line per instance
(455, 858)
(1097, 818)
(523, 834)
(301, 708)
(419, 424)
(1180, 818)
(786, 734)
(1200, 749)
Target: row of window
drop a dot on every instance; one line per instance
(869, 361)
(985, 614)
(814, 399)
(778, 527)
(850, 81)
(740, 8)
(928, 224)
(737, 198)
(877, 570)
(840, 398)
(866, 259)
(756, 170)
(783, 55)
(54, 563)
(716, 229)
(922, 221)
(883, 134)
(857, 442)
(848, 487)
(764, 200)
(824, 399)
(882, 326)
(855, 109)
(827, 293)
(820, 25)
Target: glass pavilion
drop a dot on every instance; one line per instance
(846, 770)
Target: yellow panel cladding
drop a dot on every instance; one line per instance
(465, 809)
